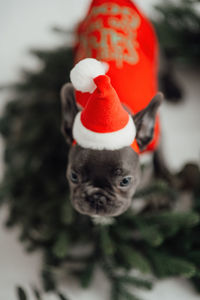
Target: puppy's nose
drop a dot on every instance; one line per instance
(97, 199)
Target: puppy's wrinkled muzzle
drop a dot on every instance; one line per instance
(97, 200)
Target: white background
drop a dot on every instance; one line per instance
(26, 24)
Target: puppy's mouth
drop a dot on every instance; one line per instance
(98, 211)
(98, 204)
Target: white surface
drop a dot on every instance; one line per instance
(181, 123)
(25, 24)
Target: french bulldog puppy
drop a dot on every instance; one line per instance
(103, 182)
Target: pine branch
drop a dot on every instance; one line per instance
(135, 281)
(167, 265)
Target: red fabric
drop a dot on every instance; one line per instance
(117, 32)
(104, 112)
(135, 146)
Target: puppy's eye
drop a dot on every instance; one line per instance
(74, 177)
(125, 181)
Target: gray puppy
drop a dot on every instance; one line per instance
(103, 182)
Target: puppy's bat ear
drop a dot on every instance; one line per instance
(145, 122)
(69, 110)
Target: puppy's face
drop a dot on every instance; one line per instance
(103, 182)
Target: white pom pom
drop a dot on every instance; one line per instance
(83, 73)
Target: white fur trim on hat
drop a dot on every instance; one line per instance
(84, 72)
(99, 141)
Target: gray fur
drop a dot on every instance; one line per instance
(100, 173)
(69, 110)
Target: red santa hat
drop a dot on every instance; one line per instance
(103, 123)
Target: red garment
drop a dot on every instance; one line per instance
(118, 33)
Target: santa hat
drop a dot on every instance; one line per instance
(103, 123)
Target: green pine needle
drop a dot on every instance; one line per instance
(21, 294)
(135, 281)
(87, 274)
(166, 265)
(62, 297)
(106, 242)
(60, 248)
(134, 259)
